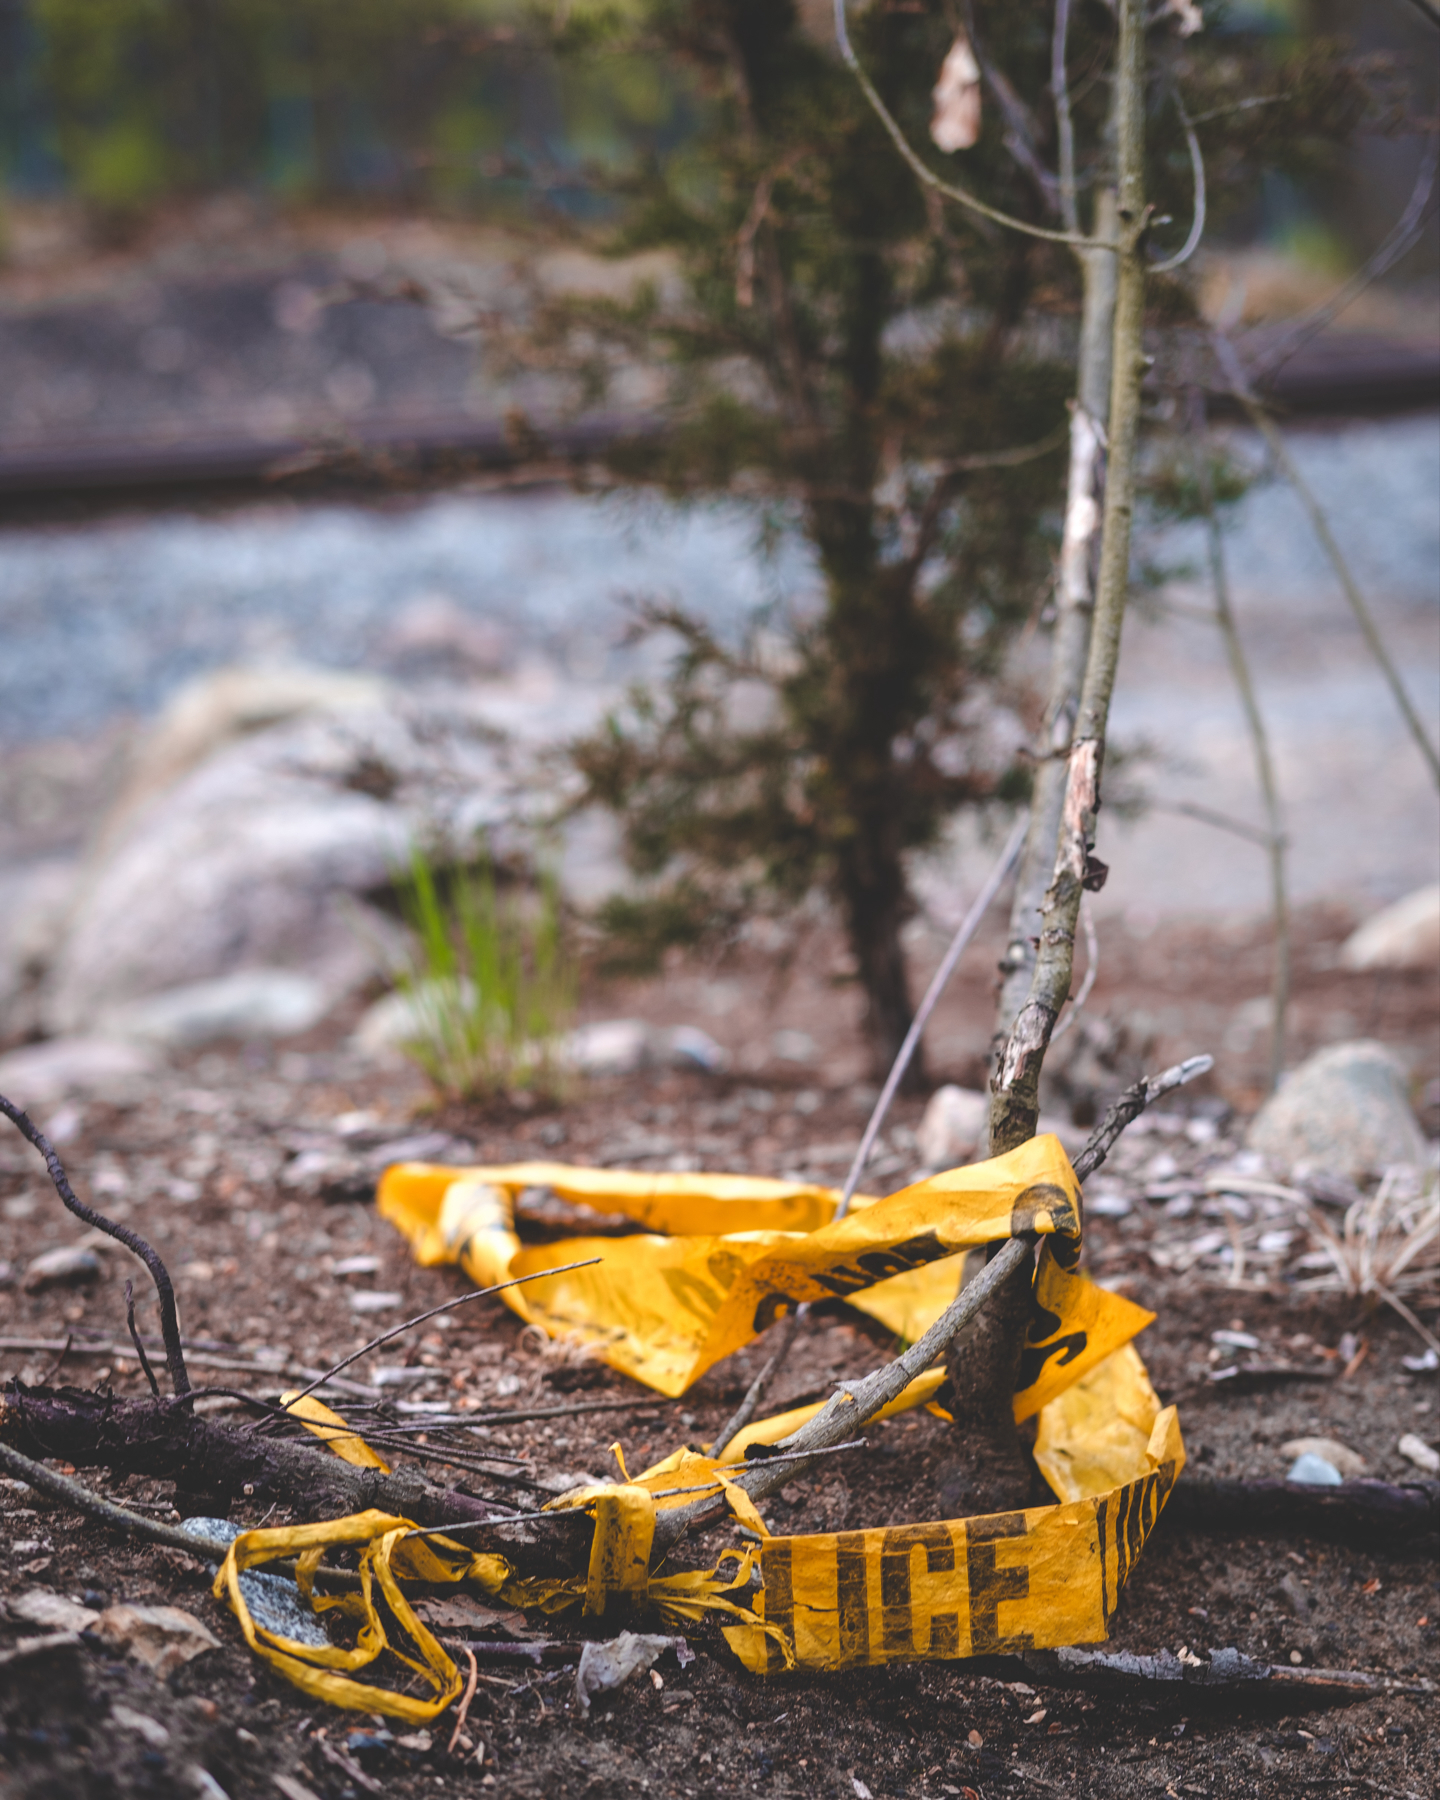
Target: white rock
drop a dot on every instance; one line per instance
(65, 1266)
(410, 1016)
(1403, 936)
(1345, 1111)
(954, 1127)
(794, 1046)
(41, 1074)
(1314, 1471)
(251, 1003)
(1416, 1450)
(154, 1733)
(372, 1300)
(612, 1047)
(1340, 1456)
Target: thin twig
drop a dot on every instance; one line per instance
(1398, 241)
(1264, 766)
(969, 925)
(58, 1363)
(928, 175)
(1197, 174)
(471, 1684)
(1245, 394)
(1064, 123)
(448, 1306)
(74, 1494)
(135, 1339)
(159, 1274)
(1129, 1107)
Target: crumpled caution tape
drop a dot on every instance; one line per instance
(739, 1252)
(725, 1257)
(1036, 1579)
(332, 1430)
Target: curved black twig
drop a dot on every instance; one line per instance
(159, 1274)
(135, 1339)
(1129, 1107)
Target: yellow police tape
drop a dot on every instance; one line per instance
(738, 1252)
(728, 1255)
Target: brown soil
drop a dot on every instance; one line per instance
(226, 1164)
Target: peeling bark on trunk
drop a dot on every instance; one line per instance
(983, 1362)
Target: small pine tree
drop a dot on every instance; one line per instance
(848, 361)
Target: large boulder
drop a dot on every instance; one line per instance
(1346, 1111)
(260, 854)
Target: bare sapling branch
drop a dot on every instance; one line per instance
(159, 1274)
(984, 1363)
(1240, 386)
(1015, 1089)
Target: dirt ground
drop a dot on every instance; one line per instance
(253, 1175)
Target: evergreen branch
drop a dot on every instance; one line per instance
(960, 195)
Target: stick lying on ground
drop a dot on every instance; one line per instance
(1122, 1671)
(1408, 1514)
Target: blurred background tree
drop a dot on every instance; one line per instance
(856, 366)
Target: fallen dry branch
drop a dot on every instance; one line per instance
(1230, 1672)
(1382, 1514)
(163, 1441)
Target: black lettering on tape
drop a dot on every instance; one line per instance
(991, 1586)
(1034, 1357)
(853, 1594)
(776, 1568)
(897, 1617)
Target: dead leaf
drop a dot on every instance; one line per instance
(955, 123)
(42, 1606)
(1188, 17)
(464, 1614)
(161, 1637)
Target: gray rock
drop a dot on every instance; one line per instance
(251, 1003)
(262, 854)
(41, 1074)
(1403, 936)
(275, 1602)
(623, 1046)
(1345, 1111)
